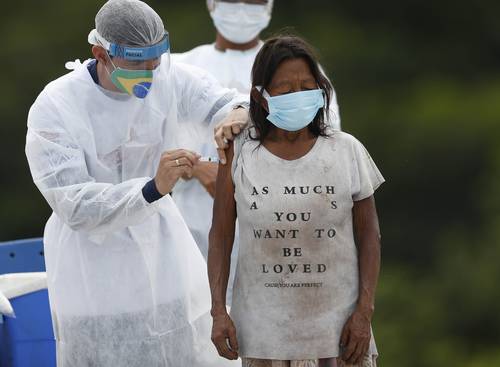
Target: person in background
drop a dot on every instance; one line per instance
(229, 59)
(127, 283)
(309, 255)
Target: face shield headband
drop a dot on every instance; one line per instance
(131, 53)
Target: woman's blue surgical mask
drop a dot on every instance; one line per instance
(294, 111)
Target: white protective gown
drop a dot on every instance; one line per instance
(232, 69)
(127, 284)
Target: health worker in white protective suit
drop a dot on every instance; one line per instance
(230, 59)
(127, 283)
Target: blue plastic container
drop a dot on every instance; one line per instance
(28, 339)
(22, 256)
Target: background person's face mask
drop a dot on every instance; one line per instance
(240, 22)
(133, 82)
(294, 111)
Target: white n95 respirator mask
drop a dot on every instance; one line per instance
(240, 22)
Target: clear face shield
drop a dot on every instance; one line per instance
(134, 75)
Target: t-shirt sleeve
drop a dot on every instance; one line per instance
(365, 176)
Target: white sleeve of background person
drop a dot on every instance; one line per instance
(334, 114)
(203, 99)
(60, 172)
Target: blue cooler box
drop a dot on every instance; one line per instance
(27, 340)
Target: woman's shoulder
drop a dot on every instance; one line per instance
(247, 135)
(341, 138)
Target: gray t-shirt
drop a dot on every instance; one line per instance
(297, 273)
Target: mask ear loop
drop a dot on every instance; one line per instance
(112, 63)
(99, 43)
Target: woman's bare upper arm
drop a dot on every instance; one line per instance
(364, 214)
(224, 204)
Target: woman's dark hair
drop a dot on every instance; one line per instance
(273, 53)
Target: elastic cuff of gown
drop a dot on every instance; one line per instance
(150, 192)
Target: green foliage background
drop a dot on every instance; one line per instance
(418, 82)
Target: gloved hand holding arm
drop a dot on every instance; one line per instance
(229, 128)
